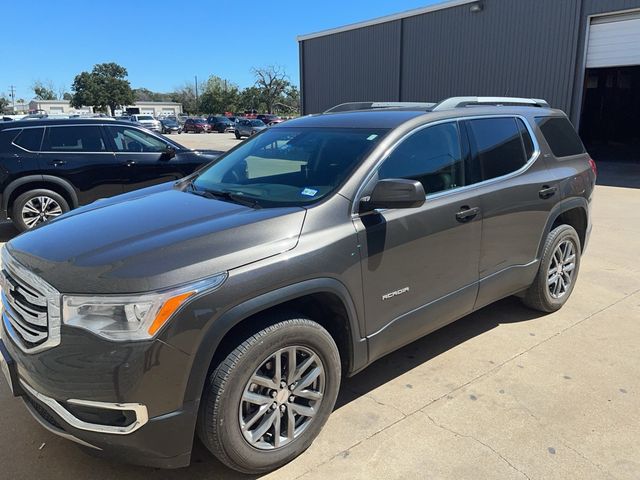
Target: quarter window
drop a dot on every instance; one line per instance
(30, 139)
(74, 139)
(432, 156)
(132, 140)
(561, 136)
(496, 145)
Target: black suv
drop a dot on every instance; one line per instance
(52, 166)
(220, 123)
(230, 303)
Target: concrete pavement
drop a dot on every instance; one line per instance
(503, 393)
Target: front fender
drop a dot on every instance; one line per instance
(234, 316)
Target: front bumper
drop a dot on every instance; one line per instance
(104, 418)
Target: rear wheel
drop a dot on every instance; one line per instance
(238, 136)
(267, 401)
(37, 206)
(558, 271)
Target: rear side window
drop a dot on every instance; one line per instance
(432, 156)
(74, 139)
(496, 145)
(561, 136)
(30, 139)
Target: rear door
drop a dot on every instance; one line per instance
(80, 155)
(513, 200)
(143, 157)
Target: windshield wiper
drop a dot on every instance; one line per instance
(226, 195)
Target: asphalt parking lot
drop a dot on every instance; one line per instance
(206, 141)
(503, 393)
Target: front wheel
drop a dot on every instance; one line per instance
(37, 206)
(268, 400)
(558, 271)
(238, 136)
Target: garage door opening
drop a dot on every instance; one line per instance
(610, 123)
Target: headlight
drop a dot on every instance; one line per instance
(131, 317)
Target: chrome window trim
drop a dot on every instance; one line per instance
(53, 299)
(142, 415)
(389, 151)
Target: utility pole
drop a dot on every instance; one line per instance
(196, 94)
(12, 92)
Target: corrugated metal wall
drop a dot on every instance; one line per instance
(531, 48)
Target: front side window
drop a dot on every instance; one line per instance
(74, 139)
(30, 139)
(289, 166)
(132, 140)
(496, 145)
(432, 156)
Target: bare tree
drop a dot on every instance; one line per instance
(272, 81)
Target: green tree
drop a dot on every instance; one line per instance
(4, 103)
(105, 88)
(219, 96)
(251, 99)
(44, 91)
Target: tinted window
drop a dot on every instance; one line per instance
(432, 156)
(30, 139)
(132, 140)
(74, 139)
(496, 145)
(6, 137)
(561, 136)
(526, 139)
(257, 123)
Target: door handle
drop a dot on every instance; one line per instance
(130, 163)
(465, 214)
(58, 163)
(547, 191)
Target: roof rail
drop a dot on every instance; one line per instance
(457, 102)
(353, 106)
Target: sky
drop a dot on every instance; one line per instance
(163, 44)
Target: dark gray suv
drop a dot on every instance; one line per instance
(231, 302)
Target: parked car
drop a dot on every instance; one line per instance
(220, 123)
(196, 125)
(246, 127)
(229, 303)
(148, 121)
(53, 166)
(269, 119)
(170, 126)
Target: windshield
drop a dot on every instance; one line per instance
(170, 123)
(199, 120)
(145, 117)
(257, 123)
(289, 166)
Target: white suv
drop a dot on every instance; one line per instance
(148, 121)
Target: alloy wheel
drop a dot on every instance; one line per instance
(40, 209)
(561, 269)
(282, 397)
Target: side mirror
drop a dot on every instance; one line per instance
(169, 153)
(394, 193)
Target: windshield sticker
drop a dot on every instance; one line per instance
(372, 137)
(309, 192)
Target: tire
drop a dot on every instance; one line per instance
(238, 136)
(49, 203)
(545, 294)
(223, 409)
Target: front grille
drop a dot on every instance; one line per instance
(31, 307)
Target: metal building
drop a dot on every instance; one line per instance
(582, 56)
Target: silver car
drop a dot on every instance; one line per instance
(148, 121)
(247, 127)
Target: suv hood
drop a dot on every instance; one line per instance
(153, 239)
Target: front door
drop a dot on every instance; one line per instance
(143, 157)
(420, 265)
